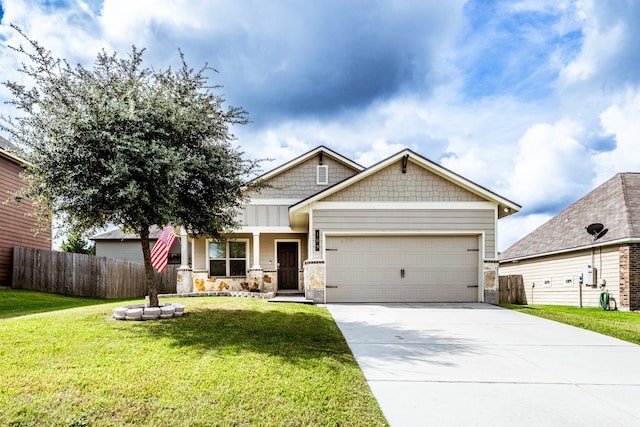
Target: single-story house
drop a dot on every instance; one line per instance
(405, 229)
(18, 225)
(591, 246)
(120, 245)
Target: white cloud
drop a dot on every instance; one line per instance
(379, 150)
(275, 58)
(69, 33)
(622, 119)
(551, 167)
(515, 227)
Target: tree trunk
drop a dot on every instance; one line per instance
(148, 268)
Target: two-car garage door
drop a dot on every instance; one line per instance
(402, 268)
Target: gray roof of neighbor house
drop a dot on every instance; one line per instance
(118, 234)
(11, 152)
(615, 204)
(4, 144)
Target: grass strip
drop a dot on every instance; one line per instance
(623, 325)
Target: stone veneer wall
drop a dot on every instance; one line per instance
(416, 185)
(314, 280)
(201, 282)
(491, 295)
(630, 276)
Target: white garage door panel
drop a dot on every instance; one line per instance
(368, 268)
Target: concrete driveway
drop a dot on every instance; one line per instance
(481, 365)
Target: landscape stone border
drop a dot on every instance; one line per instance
(144, 312)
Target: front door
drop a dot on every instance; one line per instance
(287, 265)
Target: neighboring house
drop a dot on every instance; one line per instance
(404, 229)
(18, 225)
(119, 245)
(562, 264)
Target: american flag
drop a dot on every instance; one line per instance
(160, 251)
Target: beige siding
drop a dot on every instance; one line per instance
(299, 182)
(200, 256)
(416, 185)
(266, 215)
(557, 268)
(427, 221)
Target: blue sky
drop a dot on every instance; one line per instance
(537, 100)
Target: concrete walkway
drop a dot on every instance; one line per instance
(481, 365)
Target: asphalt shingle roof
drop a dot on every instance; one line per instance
(615, 204)
(118, 234)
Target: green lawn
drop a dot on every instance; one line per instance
(19, 302)
(618, 324)
(227, 362)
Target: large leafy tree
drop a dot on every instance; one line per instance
(124, 144)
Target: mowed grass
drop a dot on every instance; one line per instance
(20, 302)
(227, 362)
(618, 324)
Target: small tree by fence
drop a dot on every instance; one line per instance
(84, 275)
(511, 290)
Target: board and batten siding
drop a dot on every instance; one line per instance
(561, 267)
(260, 215)
(450, 221)
(17, 226)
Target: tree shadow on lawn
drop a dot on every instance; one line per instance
(292, 335)
(297, 335)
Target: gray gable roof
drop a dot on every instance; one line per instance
(118, 234)
(615, 204)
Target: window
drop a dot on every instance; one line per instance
(546, 281)
(228, 258)
(322, 175)
(568, 281)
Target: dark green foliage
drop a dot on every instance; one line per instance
(77, 244)
(126, 145)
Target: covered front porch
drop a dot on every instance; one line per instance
(244, 262)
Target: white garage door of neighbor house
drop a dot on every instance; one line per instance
(402, 268)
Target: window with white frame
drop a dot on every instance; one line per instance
(546, 281)
(322, 175)
(568, 281)
(228, 258)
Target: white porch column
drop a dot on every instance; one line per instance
(256, 274)
(256, 251)
(184, 271)
(184, 248)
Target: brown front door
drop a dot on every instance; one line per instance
(287, 265)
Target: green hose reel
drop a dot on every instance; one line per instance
(604, 300)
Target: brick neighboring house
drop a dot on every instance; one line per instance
(17, 227)
(559, 259)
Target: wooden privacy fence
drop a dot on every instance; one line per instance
(84, 275)
(511, 290)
